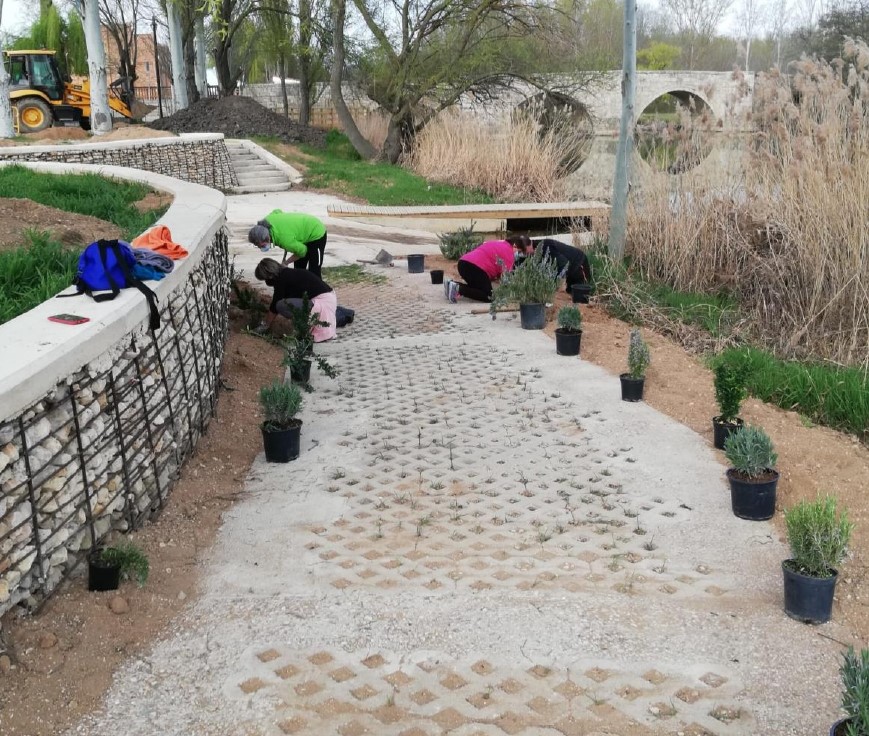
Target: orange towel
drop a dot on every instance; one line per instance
(159, 239)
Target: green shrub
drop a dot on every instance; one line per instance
(638, 355)
(280, 403)
(855, 691)
(129, 557)
(730, 391)
(535, 281)
(750, 451)
(454, 245)
(569, 319)
(818, 536)
(299, 345)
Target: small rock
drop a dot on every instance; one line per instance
(5, 664)
(182, 596)
(119, 605)
(47, 640)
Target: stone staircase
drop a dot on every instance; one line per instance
(255, 173)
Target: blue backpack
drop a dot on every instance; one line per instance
(107, 265)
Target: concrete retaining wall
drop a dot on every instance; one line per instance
(199, 158)
(96, 419)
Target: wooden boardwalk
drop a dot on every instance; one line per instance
(481, 211)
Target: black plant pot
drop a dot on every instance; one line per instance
(532, 316)
(567, 343)
(416, 263)
(840, 728)
(808, 599)
(580, 293)
(102, 576)
(303, 374)
(722, 430)
(632, 388)
(437, 276)
(282, 445)
(753, 499)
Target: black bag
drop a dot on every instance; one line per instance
(343, 316)
(105, 264)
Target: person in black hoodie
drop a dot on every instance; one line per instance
(570, 261)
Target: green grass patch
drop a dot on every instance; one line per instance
(34, 273)
(351, 274)
(825, 394)
(84, 194)
(338, 168)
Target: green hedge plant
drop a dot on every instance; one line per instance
(818, 535)
(750, 451)
(454, 245)
(570, 319)
(730, 391)
(638, 355)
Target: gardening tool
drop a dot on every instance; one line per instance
(383, 258)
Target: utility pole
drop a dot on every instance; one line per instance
(157, 64)
(622, 178)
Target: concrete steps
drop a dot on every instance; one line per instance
(254, 171)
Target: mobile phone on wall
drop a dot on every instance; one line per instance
(68, 319)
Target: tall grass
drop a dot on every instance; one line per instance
(31, 274)
(85, 194)
(512, 161)
(790, 236)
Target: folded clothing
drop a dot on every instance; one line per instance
(157, 261)
(159, 239)
(147, 273)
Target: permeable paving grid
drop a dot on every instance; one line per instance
(480, 538)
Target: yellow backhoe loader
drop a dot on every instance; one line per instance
(42, 97)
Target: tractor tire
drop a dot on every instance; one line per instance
(34, 115)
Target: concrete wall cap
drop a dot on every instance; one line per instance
(37, 354)
(111, 145)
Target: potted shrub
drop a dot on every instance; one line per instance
(299, 347)
(730, 392)
(455, 244)
(107, 566)
(281, 428)
(855, 694)
(752, 475)
(818, 536)
(569, 331)
(634, 380)
(532, 284)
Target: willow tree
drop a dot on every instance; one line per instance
(426, 54)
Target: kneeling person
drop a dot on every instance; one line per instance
(291, 286)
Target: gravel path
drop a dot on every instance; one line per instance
(480, 537)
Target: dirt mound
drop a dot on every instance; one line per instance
(18, 215)
(238, 117)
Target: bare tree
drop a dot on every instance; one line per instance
(6, 128)
(101, 115)
(750, 17)
(696, 21)
(779, 26)
(120, 18)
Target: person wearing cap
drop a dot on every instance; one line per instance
(302, 238)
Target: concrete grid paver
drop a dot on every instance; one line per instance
(480, 539)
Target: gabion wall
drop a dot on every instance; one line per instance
(100, 452)
(198, 161)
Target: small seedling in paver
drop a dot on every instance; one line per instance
(650, 545)
(630, 459)
(419, 437)
(639, 530)
(437, 486)
(379, 534)
(381, 504)
(544, 535)
(608, 506)
(631, 514)
(660, 569)
(669, 514)
(422, 522)
(452, 467)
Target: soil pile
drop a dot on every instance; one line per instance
(238, 117)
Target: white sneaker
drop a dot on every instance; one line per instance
(447, 283)
(453, 294)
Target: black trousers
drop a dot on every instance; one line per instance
(313, 261)
(478, 285)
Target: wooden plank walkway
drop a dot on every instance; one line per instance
(481, 211)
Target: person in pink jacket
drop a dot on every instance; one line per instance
(479, 268)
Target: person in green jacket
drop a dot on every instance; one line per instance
(302, 238)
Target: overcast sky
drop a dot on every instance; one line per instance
(17, 14)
